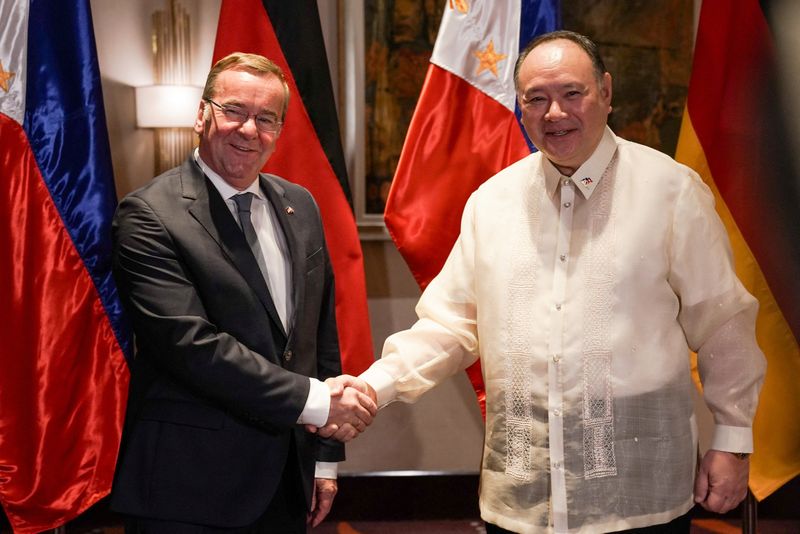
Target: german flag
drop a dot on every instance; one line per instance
(309, 150)
(731, 135)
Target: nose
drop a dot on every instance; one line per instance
(554, 112)
(248, 127)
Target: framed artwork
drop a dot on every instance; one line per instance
(387, 45)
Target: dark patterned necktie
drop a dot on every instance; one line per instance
(243, 202)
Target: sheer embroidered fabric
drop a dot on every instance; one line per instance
(583, 296)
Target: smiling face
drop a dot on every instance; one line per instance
(564, 105)
(238, 151)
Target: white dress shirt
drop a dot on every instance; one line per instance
(582, 296)
(278, 260)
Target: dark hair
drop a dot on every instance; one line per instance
(586, 44)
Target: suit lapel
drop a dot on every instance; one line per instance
(210, 210)
(284, 210)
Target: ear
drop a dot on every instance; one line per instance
(519, 99)
(199, 123)
(606, 90)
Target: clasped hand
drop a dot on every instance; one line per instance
(353, 406)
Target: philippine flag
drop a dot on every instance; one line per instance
(62, 365)
(464, 129)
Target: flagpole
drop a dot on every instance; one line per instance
(750, 514)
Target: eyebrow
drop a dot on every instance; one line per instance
(543, 88)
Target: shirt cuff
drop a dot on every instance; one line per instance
(318, 404)
(326, 470)
(382, 382)
(732, 439)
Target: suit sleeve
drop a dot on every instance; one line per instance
(176, 336)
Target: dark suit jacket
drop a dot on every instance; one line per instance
(217, 385)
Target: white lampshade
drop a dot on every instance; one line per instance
(167, 106)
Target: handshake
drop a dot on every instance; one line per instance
(353, 406)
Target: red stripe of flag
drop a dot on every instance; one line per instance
(452, 146)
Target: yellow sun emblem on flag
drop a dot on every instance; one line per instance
(461, 5)
(5, 78)
(488, 59)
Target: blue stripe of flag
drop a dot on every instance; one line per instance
(536, 17)
(66, 128)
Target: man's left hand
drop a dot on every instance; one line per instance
(324, 491)
(721, 482)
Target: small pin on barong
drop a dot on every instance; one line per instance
(290, 210)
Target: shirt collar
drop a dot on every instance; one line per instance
(226, 190)
(587, 176)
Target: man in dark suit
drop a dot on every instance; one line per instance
(228, 283)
